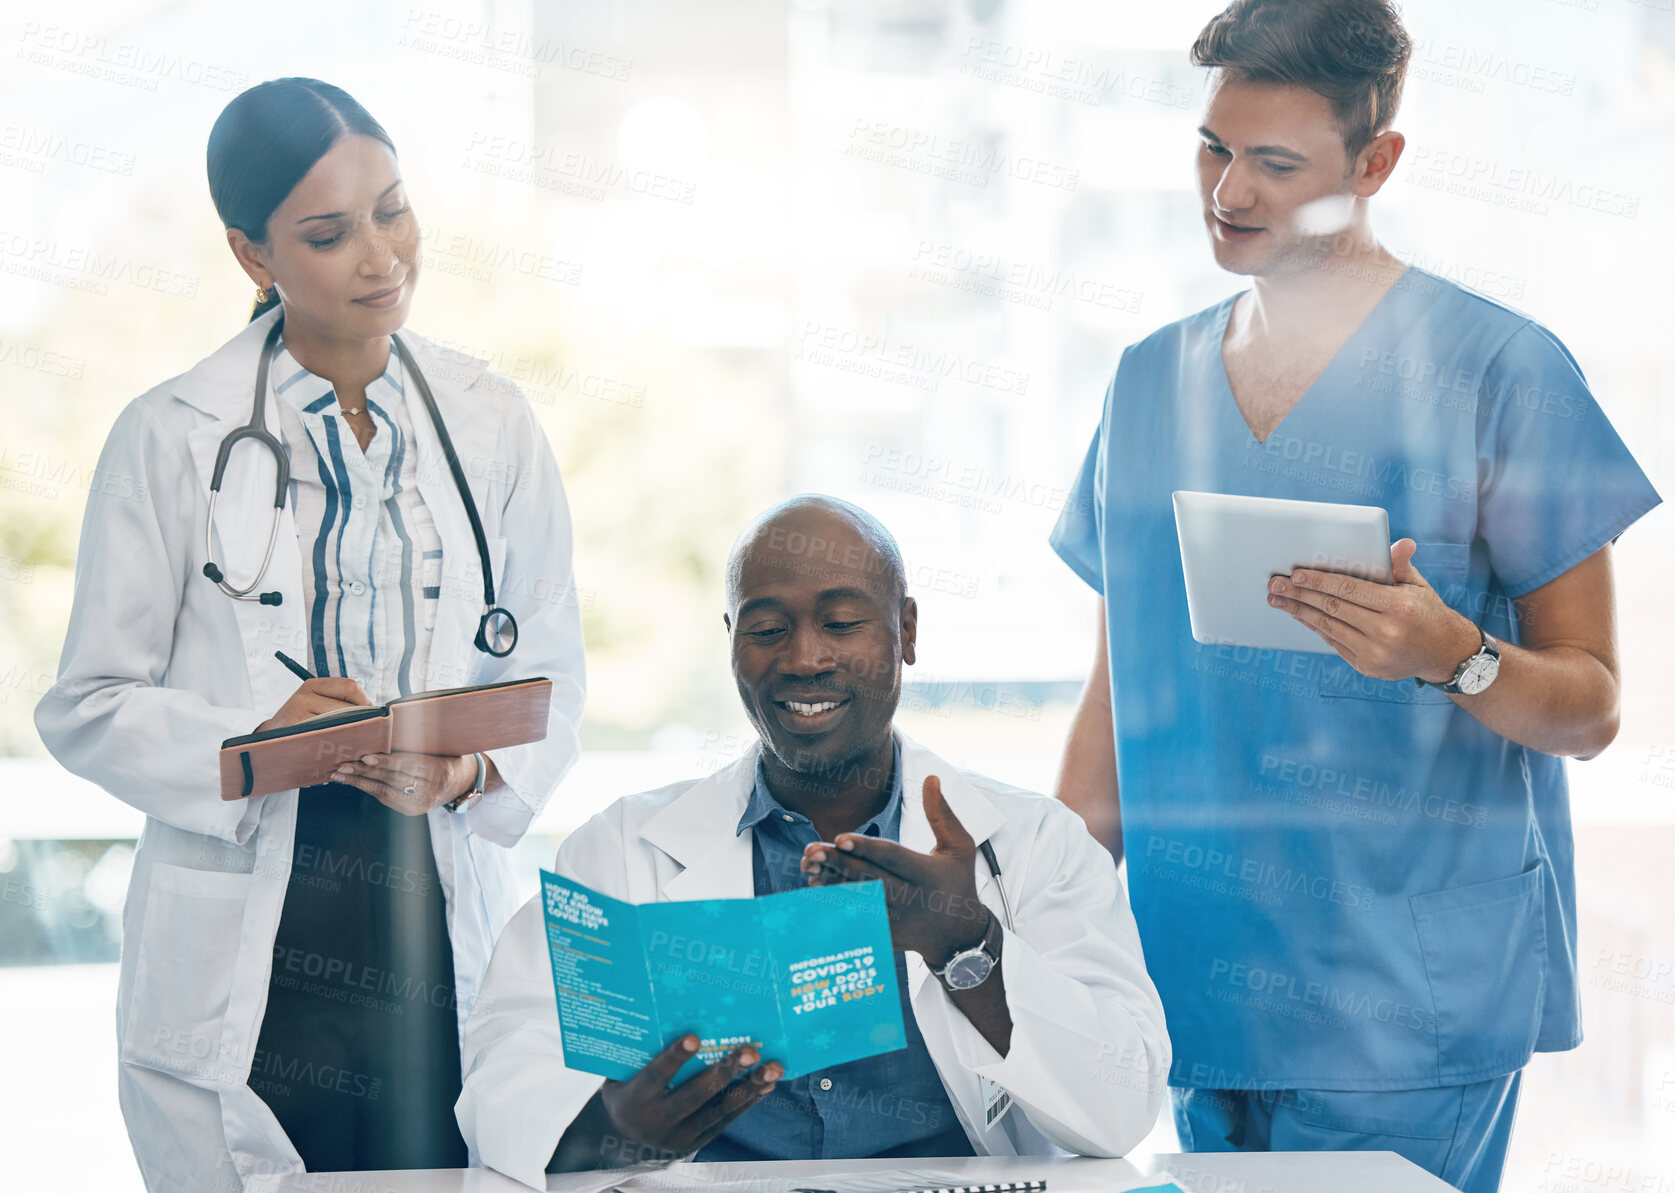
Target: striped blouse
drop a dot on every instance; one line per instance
(371, 556)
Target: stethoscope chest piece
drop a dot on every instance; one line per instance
(497, 633)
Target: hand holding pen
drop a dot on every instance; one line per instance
(409, 783)
(316, 695)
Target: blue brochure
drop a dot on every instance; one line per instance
(805, 976)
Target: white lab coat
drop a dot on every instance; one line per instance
(1089, 1055)
(159, 666)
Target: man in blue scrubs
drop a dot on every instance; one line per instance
(1354, 884)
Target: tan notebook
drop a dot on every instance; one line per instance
(450, 721)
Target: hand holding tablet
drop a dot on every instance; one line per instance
(1358, 596)
(1232, 546)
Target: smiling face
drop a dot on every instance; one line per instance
(343, 247)
(820, 629)
(1275, 179)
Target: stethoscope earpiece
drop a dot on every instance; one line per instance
(266, 598)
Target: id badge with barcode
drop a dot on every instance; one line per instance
(996, 1101)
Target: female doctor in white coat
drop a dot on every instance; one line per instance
(296, 966)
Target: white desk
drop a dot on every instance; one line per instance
(1249, 1172)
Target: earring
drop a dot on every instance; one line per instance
(261, 295)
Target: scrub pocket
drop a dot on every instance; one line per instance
(1445, 567)
(183, 973)
(1485, 952)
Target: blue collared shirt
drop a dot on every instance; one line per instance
(892, 1104)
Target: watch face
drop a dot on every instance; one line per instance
(1480, 674)
(967, 970)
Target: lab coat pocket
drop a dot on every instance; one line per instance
(183, 972)
(1485, 952)
(1445, 566)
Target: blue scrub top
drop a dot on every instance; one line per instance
(1344, 882)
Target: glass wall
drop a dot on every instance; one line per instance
(885, 249)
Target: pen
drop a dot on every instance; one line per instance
(296, 668)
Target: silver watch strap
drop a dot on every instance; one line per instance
(471, 796)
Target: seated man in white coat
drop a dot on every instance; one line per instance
(1027, 1039)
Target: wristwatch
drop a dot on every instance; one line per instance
(971, 967)
(463, 802)
(1477, 672)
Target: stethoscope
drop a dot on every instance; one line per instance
(988, 852)
(497, 630)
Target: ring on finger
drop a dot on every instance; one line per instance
(409, 789)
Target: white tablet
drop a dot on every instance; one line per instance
(1232, 546)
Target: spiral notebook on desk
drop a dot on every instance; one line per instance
(450, 721)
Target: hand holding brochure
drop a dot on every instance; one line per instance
(807, 977)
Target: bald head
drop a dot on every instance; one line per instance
(817, 537)
(821, 626)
